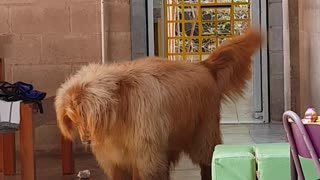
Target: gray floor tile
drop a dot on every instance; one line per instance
(49, 168)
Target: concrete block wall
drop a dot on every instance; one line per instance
(44, 41)
(49, 39)
(276, 62)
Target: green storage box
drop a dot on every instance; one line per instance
(233, 162)
(273, 162)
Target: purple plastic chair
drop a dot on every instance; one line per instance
(304, 140)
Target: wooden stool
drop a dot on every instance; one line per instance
(26, 147)
(28, 161)
(67, 157)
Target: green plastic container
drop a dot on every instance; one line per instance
(260, 161)
(233, 162)
(273, 162)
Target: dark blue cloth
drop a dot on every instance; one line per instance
(21, 91)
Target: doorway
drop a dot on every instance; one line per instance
(189, 30)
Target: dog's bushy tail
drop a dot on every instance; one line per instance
(230, 64)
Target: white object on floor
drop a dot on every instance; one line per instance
(85, 174)
(9, 116)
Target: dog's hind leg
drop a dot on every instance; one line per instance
(113, 171)
(120, 174)
(117, 173)
(206, 137)
(205, 172)
(173, 157)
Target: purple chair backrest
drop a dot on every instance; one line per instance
(304, 140)
(314, 134)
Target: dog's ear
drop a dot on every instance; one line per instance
(68, 129)
(65, 114)
(66, 125)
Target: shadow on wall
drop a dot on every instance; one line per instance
(49, 115)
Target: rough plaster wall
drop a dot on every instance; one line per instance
(139, 29)
(309, 36)
(44, 41)
(276, 65)
(286, 55)
(117, 30)
(302, 51)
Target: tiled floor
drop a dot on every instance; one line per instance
(48, 165)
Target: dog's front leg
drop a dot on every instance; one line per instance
(117, 173)
(135, 173)
(152, 166)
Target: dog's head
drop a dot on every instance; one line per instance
(85, 104)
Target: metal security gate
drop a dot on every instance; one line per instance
(194, 28)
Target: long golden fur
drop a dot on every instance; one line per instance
(141, 115)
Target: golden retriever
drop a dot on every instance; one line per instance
(139, 116)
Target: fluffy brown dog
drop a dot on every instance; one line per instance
(141, 115)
